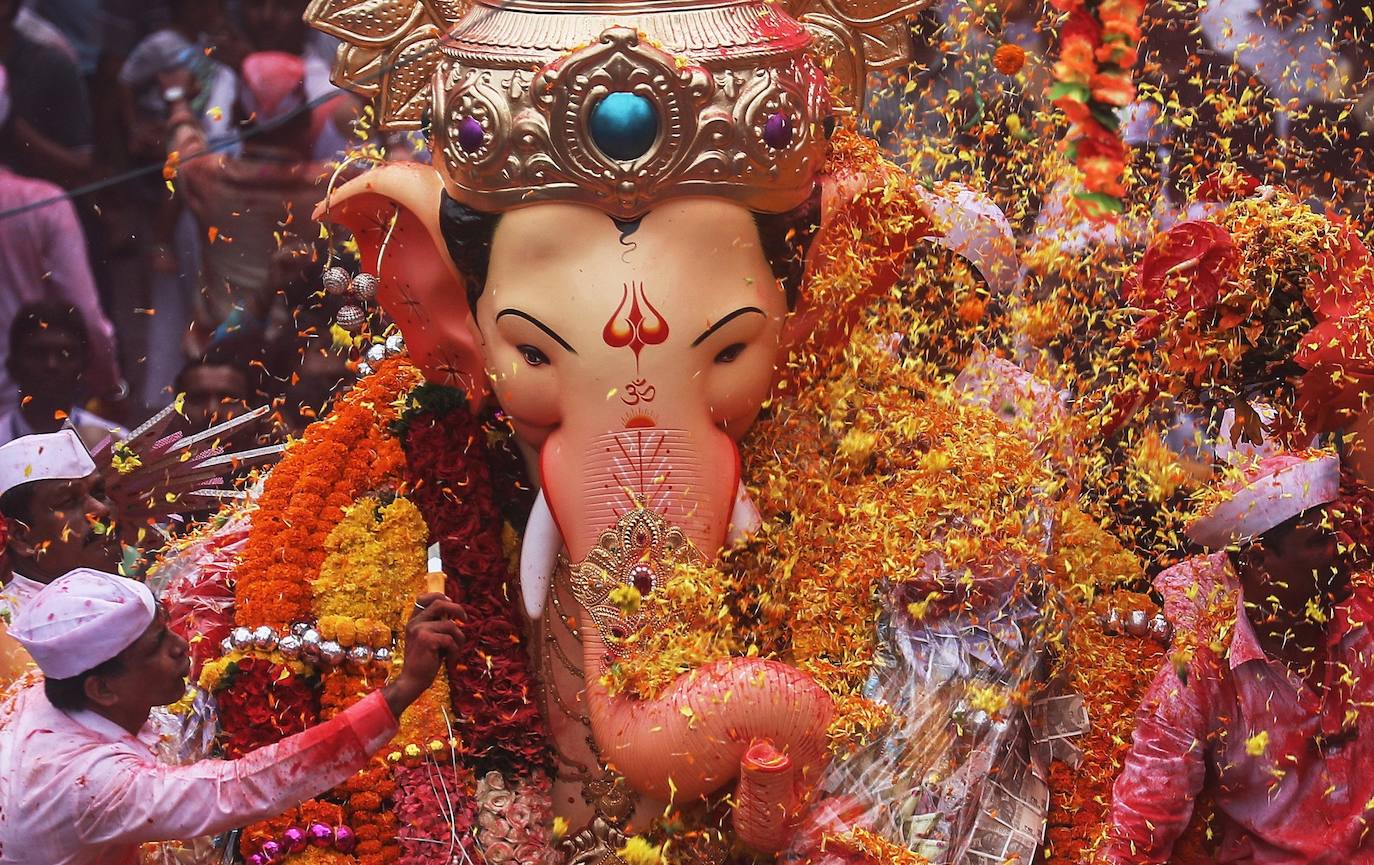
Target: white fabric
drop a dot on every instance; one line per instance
(1279, 488)
(82, 619)
(18, 592)
(45, 456)
(92, 428)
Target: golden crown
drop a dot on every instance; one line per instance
(618, 105)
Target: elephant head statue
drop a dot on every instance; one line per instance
(611, 243)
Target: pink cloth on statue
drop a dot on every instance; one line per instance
(75, 789)
(1306, 797)
(43, 257)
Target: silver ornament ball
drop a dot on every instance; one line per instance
(376, 353)
(242, 638)
(300, 628)
(264, 638)
(331, 653)
(1160, 629)
(1112, 624)
(310, 643)
(382, 656)
(364, 287)
(395, 344)
(1138, 623)
(360, 655)
(290, 646)
(226, 645)
(335, 280)
(351, 318)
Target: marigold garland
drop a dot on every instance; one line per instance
(346, 454)
(1097, 50)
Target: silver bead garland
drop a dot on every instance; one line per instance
(302, 643)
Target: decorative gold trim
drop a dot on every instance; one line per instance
(641, 551)
(531, 71)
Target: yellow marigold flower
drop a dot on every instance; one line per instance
(626, 598)
(638, 851)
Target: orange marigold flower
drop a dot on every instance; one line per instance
(1009, 59)
(1077, 63)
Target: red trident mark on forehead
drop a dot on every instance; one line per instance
(641, 325)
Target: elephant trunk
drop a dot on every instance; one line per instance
(761, 721)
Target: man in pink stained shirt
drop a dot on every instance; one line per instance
(78, 781)
(43, 257)
(1270, 712)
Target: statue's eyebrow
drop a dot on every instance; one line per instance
(724, 321)
(537, 323)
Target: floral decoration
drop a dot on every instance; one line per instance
(1097, 49)
(345, 455)
(1265, 298)
(492, 687)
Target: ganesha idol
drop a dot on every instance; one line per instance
(614, 244)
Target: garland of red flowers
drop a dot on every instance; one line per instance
(491, 685)
(1092, 81)
(263, 702)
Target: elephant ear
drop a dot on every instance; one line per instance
(393, 212)
(872, 218)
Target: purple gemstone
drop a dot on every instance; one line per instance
(294, 839)
(471, 135)
(255, 859)
(320, 835)
(344, 839)
(271, 851)
(777, 131)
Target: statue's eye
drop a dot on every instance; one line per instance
(532, 355)
(730, 352)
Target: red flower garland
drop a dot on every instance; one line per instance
(492, 688)
(428, 797)
(1097, 49)
(266, 703)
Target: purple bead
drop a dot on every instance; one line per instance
(777, 131)
(344, 839)
(320, 835)
(271, 851)
(294, 839)
(255, 859)
(471, 135)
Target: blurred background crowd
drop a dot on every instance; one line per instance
(159, 160)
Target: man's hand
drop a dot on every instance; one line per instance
(431, 634)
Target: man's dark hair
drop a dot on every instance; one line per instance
(17, 502)
(42, 315)
(785, 237)
(69, 694)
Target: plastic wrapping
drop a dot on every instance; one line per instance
(960, 775)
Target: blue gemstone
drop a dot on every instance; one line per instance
(624, 125)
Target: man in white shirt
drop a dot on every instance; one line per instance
(57, 515)
(79, 784)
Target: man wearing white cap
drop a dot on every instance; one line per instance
(1271, 691)
(56, 514)
(78, 781)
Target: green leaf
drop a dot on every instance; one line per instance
(1077, 92)
(1102, 200)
